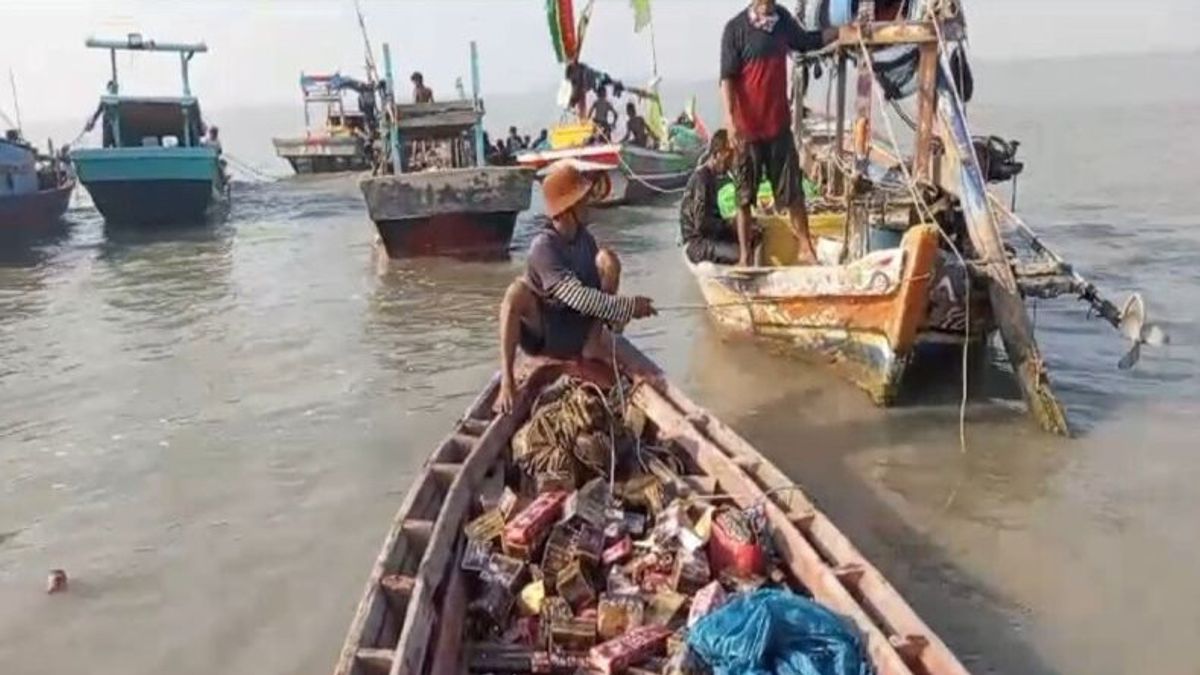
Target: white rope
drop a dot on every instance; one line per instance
(919, 201)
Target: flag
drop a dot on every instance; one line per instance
(641, 14)
(560, 14)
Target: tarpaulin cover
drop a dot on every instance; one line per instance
(775, 631)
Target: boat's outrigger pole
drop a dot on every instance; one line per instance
(944, 161)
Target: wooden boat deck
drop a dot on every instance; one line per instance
(411, 617)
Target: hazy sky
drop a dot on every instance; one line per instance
(258, 47)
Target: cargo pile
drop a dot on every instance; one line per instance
(572, 569)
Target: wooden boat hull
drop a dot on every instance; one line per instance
(333, 154)
(864, 317)
(36, 211)
(411, 616)
(624, 174)
(460, 212)
(152, 187)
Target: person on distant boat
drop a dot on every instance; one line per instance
(603, 114)
(515, 142)
(560, 307)
(636, 130)
(755, 48)
(707, 236)
(542, 142)
(421, 93)
(214, 139)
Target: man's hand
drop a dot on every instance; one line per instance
(735, 136)
(830, 35)
(504, 402)
(643, 307)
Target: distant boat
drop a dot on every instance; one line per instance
(35, 190)
(623, 172)
(435, 194)
(340, 141)
(154, 167)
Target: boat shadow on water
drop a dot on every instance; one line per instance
(30, 249)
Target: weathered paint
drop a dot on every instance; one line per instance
(455, 211)
(868, 328)
(322, 153)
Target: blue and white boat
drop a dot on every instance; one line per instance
(154, 166)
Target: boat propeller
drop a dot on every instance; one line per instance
(1134, 327)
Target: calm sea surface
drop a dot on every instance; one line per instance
(211, 430)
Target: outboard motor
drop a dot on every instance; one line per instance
(998, 158)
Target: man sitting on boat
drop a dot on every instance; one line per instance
(755, 49)
(560, 306)
(707, 236)
(421, 93)
(636, 130)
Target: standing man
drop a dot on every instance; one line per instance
(636, 129)
(603, 114)
(421, 93)
(568, 293)
(754, 90)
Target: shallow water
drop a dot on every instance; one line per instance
(211, 429)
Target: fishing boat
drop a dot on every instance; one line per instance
(340, 138)
(433, 192)
(35, 189)
(154, 167)
(918, 256)
(623, 171)
(430, 601)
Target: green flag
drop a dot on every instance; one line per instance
(641, 14)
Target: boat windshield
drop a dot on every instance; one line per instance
(146, 122)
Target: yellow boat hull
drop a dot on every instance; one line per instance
(864, 317)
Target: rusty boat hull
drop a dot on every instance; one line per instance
(414, 614)
(468, 212)
(868, 318)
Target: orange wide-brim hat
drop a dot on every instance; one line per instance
(565, 186)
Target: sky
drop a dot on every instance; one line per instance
(259, 47)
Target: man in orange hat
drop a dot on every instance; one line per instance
(560, 306)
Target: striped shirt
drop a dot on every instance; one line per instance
(564, 275)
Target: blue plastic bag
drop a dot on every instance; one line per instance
(774, 631)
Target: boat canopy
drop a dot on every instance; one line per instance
(436, 120)
(152, 121)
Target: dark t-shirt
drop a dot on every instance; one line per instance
(755, 61)
(552, 258)
(699, 215)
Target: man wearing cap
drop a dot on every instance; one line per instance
(755, 48)
(560, 306)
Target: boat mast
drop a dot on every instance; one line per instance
(475, 87)
(390, 103)
(12, 81)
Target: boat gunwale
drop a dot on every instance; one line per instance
(828, 566)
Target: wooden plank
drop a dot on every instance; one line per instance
(414, 641)
(448, 651)
(368, 617)
(883, 599)
(803, 561)
(375, 661)
(927, 103)
(883, 33)
(964, 179)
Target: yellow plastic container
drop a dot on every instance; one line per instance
(779, 246)
(570, 135)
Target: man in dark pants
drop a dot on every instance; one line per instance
(560, 306)
(706, 235)
(754, 90)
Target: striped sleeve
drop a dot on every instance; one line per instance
(613, 309)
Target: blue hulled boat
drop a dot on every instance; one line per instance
(155, 166)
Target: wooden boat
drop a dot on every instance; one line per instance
(987, 261)
(35, 190)
(624, 173)
(153, 168)
(340, 140)
(434, 193)
(412, 614)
